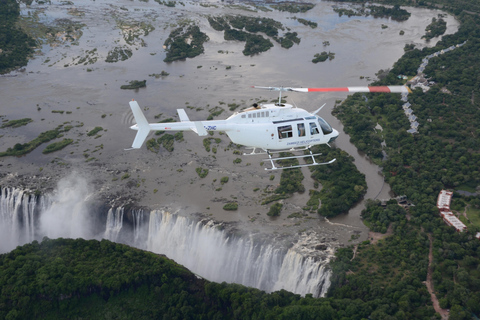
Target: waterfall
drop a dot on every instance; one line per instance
(114, 223)
(139, 237)
(17, 217)
(201, 246)
(209, 252)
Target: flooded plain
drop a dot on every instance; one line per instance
(56, 89)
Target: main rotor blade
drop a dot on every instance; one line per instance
(273, 88)
(388, 89)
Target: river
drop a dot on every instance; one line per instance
(54, 90)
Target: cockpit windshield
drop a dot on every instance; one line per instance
(326, 128)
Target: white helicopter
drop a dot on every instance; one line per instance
(272, 127)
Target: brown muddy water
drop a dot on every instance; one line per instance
(90, 96)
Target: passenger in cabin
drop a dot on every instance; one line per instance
(301, 129)
(313, 128)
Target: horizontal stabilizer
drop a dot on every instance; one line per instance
(182, 115)
(142, 125)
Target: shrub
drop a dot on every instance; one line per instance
(275, 210)
(231, 206)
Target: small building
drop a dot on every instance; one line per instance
(452, 220)
(412, 130)
(444, 199)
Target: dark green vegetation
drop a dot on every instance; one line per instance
(184, 42)
(293, 7)
(378, 218)
(320, 57)
(275, 210)
(15, 44)
(234, 26)
(134, 84)
(394, 13)
(202, 173)
(306, 22)
(20, 149)
(435, 29)
(92, 279)
(385, 281)
(290, 180)
(231, 206)
(118, 54)
(166, 140)
(94, 131)
(444, 155)
(167, 3)
(57, 146)
(342, 184)
(224, 180)
(16, 123)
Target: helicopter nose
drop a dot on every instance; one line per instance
(333, 136)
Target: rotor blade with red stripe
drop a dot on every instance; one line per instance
(388, 89)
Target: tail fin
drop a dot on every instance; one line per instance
(142, 125)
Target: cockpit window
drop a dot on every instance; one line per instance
(326, 128)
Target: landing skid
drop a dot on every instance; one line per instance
(311, 155)
(253, 153)
(274, 151)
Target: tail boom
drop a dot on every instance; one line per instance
(144, 128)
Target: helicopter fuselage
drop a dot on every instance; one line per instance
(273, 127)
(269, 127)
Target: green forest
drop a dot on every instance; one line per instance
(15, 45)
(444, 154)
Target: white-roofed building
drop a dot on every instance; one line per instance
(453, 221)
(444, 199)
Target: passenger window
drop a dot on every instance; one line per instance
(313, 128)
(285, 132)
(301, 129)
